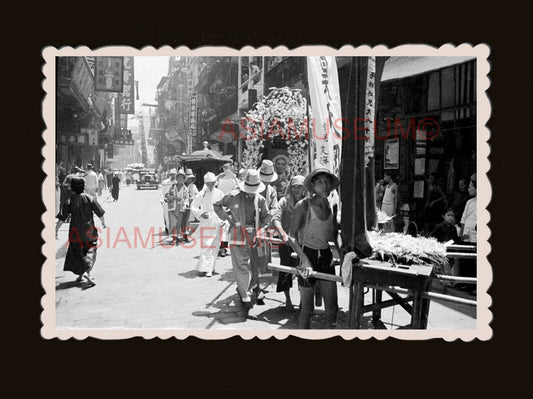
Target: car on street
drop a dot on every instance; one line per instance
(147, 180)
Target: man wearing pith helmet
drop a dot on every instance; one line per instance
(247, 216)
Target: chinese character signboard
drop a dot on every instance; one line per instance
(109, 150)
(324, 93)
(92, 135)
(108, 74)
(123, 138)
(71, 138)
(127, 99)
(192, 122)
(392, 153)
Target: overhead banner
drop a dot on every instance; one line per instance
(325, 134)
(109, 73)
(127, 98)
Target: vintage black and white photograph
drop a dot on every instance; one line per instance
(266, 192)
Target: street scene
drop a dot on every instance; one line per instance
(266, 193)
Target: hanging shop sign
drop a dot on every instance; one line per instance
(392, 154)
(82, 78)
(109, 73)
(127, 99)
(123, 137)
(370, 109)
(92, 136)
(192, 121)
(72, 138)
(326, 121)
(109, 150)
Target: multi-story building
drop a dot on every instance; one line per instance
(83, 115)
(193, 100)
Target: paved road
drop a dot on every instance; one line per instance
(141, 282)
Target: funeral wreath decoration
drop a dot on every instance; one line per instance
(281, 115)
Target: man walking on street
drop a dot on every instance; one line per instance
(247, 215)
(91, 181)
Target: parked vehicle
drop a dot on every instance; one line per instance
(147, 179)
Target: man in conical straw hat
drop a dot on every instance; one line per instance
(247, 217)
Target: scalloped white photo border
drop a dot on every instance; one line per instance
(481, 51)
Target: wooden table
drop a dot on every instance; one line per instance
(383, 276)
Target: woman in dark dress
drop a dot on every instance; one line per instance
(116, 185)
(83, 235)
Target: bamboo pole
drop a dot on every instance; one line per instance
(338, 279)
(314, 274)
(466, 280)
(429, 295)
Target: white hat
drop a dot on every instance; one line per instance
(173, 171)
(210, 177)
(252, 184)
(266, 172)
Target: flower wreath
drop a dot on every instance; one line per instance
(281, 115)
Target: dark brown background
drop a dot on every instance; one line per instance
(265, 368)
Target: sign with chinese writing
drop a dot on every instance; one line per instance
(109, 73)
(92, 136)
(71, 138)
(123, 137)
(392, 153)
(192, 121)
(370, 108)
(326, 120)
(127, 98)
(82, 77)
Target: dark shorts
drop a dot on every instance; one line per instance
(321, 261)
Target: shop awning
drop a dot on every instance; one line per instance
(402, 67)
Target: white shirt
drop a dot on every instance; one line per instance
(469, 219)
(91, 179)
(204, 201)
(227, 184)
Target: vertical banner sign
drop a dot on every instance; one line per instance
(127, 98)
(192, 121)
(370, 109)
(92, 135)
(326, 122)
(109, 72)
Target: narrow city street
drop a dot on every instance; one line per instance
(143, 282)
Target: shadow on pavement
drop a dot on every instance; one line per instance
(227, 314)
(66, 285)
(277, 316)
(72, 284)
(191, 274)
